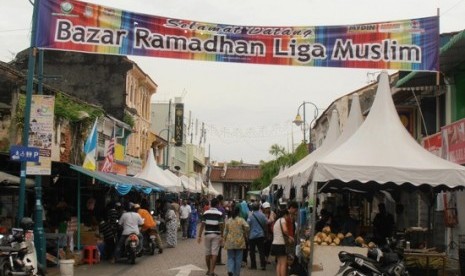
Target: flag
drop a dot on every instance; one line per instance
(108, 164)
(90, 149)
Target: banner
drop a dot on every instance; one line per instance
(41, 133)
(433, 144)
(79, 26)
(453, 142)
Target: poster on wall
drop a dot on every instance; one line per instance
(69, 25)
(41, 133)
(453, 142)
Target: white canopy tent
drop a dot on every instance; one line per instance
(211, 189)
(153, 173)
(175, 179)
(299, 174)
(193, 184)
(383, 151)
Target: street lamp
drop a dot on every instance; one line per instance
(301, 121)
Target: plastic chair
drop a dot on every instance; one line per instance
(91, 254)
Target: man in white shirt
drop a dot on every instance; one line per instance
(130, 222)
(184, 213)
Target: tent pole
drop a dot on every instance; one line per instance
(313, 221)
(79, 212)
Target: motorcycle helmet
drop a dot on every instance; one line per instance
(375, 254)
(27, 223)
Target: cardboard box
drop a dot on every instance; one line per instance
(89, 238)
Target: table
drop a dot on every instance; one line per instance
(59, 238)
(428, 255)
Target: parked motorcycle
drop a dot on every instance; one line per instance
(17, 251)
(378, 262)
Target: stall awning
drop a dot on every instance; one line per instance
(255, 193)
(122, 183)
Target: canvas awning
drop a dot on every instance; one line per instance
(122, 183)
(7, 179)
(382, 151)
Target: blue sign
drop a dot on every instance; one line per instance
(27, 154)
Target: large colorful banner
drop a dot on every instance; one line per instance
(79, 26)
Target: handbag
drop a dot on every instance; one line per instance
(287, 241)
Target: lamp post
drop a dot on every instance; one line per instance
(299, 121)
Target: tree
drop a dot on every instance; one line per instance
(271, 168)
(277, 150)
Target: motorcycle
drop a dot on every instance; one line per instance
(17, 251)
(131, 247)
(378, 262)
(150, 241)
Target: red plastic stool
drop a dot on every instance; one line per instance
(91, 255)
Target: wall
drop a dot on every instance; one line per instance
(96, 79)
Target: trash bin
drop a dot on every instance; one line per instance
(67, 267)
(462, 254)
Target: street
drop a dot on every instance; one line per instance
(187, 259)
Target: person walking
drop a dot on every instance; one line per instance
(245, 214)
(257, 222)
(223, 211)
(235, 235)
(193, 220)
(270, 219)
(184, 213)
(213, 223)
(278, 247)
(171, 227)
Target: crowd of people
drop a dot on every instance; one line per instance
(243, 229)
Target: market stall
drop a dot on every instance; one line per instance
(121, 183)
(381, 155)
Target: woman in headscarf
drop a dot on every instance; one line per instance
(171, 227)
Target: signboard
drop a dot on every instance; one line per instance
(24, 154)
(71, 25)
(41, 133)
(453, 142)
(178, 124)
(433, 144)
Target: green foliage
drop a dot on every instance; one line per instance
(234, 163)
(271, 168)
(65, 108)
(128, 119)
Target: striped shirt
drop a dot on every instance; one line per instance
(213, 219)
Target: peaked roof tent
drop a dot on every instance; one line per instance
(122, 183)
(151, 172)
(383, 151)
(300, 173)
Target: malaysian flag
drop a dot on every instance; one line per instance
(108, 164)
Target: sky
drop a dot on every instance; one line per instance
(246, 108)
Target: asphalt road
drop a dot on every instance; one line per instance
(186, 259)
